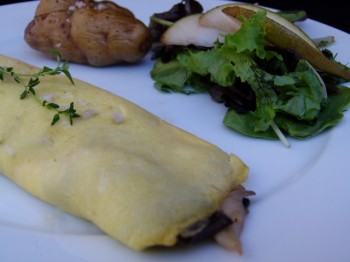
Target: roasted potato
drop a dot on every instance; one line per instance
(88, 32)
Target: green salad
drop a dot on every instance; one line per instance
(269, 92)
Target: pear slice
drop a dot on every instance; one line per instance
(188, 31)
(215, 18)
(284, 34)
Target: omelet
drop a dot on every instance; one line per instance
(140, 179)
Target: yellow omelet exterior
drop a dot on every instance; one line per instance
(138, 178)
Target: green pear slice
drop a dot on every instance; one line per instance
(188, 31)
(284, 34)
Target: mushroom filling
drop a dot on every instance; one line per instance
(206, 228)
(225, 225)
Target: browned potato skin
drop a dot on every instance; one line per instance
(88, 32)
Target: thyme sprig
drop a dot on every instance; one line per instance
(34, 80)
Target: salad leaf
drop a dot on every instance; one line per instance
(251, 36)
(330, 115)
(245, 124)
(173, 77)
(304, 98)
(213, 63)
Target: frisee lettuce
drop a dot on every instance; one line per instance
(291, 98)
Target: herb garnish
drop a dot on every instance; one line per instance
(34, 81)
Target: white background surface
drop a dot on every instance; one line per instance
(301, 211)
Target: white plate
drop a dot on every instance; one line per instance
(301, 211)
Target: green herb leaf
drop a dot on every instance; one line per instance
(34, 81)
(55, 119)
(52, 105)
(24, 94)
